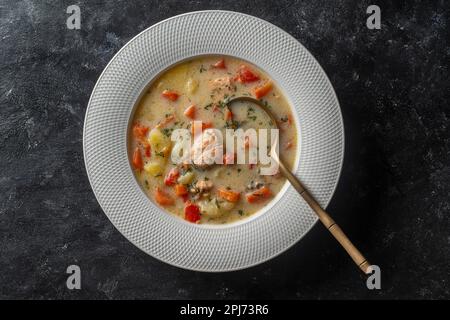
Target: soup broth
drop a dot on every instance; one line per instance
(198, 89)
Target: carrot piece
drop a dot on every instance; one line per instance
(137, 159)
(229, 195)
(162, 198)
(190, 112)
(245, 75)
(139, 131)
(166, 121)
(228, 115)
(206, 125)
(220, 64)
(170, 95)
(191, 212)
(180, 190)
(261, 193)
(261, 91)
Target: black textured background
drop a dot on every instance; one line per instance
(392, 199)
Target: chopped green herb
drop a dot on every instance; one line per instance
(202, 69)
(167, 132)
(241, 213)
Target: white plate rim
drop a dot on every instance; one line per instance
(324, 203)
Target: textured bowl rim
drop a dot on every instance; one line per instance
(317, 65)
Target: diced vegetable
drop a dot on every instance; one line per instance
(262, 193)
(190, 112)
(191, 85)
(139, 131)
(245, 75)
(163, 198)
(168, 119)
(210, 208)
(206, 125)
(186, 178)
(227, 205)
(148, 151)
(172, 177)
(192, 212)
(229, 195)
(170, 95)
(158, 140)
(204, 185)
(220, 64)
(137, 159)
(261, 91)
(181, 190)
(153, 168)
(228, 115)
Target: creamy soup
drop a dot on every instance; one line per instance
(198, 89)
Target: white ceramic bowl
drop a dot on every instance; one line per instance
(201, 247)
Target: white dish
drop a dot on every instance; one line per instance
(204, 247)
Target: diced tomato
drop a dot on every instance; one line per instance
(185, 197)
(172, 177)
(171, 95)
(245, 75)
(261, 193)
(228, 158)
(148, 150)
(190, 112)
(228, 115)
(139, 131)
(137, 159)
(220, 64)
(181, 190)
(191, 212)
(261, 91)
(162, 198)
(229, 195)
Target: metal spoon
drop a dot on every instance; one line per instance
(327, 221)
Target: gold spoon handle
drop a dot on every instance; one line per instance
(327, 221)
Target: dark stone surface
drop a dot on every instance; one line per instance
(392, 199)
